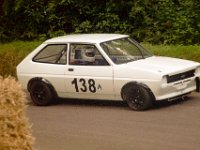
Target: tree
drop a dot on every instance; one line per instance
(155, 21)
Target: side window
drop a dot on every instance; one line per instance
(55, 54)
(86, 54)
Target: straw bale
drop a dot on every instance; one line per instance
(15, 130)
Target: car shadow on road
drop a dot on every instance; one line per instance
(119, 104)
(98, 103)
(166, 103)
(109, 103)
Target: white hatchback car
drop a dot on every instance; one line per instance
(104, 66)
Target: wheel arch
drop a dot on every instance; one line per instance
(138, 84)
(42, 80)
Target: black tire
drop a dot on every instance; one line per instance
(41, 94)
(137, 96)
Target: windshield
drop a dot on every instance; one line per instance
(124, 50)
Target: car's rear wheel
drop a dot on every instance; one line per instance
(137, 97)
(41, 94)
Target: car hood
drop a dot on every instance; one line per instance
(163, 65)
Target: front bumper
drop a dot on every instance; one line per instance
(177, 89)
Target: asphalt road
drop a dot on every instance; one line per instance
(110, 125)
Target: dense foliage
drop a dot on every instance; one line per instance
(155, 21)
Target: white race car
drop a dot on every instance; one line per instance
(104, 66)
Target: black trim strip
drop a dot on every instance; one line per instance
(180, 76)
(197, 84)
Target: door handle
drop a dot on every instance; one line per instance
(70, 69)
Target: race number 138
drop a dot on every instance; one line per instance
(84, 85)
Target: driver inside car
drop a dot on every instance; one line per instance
(88, 56)
(85, 57)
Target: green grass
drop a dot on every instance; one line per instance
(178, 51)
(12, 53)
(19, 47)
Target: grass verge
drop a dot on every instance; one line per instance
(12, 53)
(179, 51)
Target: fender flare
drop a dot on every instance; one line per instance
(41, 80)
(138, 84)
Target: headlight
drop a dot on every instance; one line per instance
(197, 72)
(164, 82)
(164, 79)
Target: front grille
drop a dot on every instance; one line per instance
(180, 76)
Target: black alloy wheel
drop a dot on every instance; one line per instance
(138, 97)
(41, 93)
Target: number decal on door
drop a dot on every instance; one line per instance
(85, 85)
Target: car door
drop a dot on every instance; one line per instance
(50, 64)
(88, 75)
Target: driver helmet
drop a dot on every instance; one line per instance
(88, 55)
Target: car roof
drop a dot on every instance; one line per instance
(85, 38)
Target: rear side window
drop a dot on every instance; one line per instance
(55, 54)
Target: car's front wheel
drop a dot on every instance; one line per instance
(41, 94)
(137, 96)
